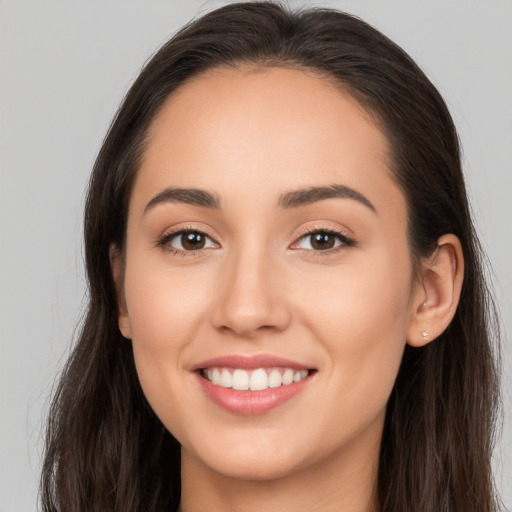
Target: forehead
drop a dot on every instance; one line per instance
(257, 132)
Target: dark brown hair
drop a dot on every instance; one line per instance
(107, 451)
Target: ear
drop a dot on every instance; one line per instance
(117, 267)
(437, 295)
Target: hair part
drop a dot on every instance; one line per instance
(106, 449)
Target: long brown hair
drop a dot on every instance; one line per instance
(107, 451)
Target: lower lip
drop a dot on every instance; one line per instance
(251, 402)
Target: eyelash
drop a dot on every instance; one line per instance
(340, 235)
(163, 242)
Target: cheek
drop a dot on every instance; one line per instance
(163, 303)
(360, 316)
(164, 308)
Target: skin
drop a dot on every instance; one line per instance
(259, 287)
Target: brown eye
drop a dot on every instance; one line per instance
(188, 241)
(322, 240)
(192, 240)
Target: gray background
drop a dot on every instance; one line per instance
(64, 68)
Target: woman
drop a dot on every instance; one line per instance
(287, 307)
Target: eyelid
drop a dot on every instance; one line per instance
(307, 230)
(163, 240)
(347, 241)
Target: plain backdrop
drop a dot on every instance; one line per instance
(64, 68)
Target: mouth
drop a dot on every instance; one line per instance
(251, 385)
(253, 380)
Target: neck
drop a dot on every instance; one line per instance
(345, 481)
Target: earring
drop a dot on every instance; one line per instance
(425, 335)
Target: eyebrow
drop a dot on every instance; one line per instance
(293, 199)
(305, 196)
(193, 196)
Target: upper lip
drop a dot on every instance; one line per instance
(250, 362)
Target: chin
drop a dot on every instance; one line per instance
(251, 461)
(264, 469)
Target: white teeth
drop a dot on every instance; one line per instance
(226, 380)
(287, 377)
(254, 380)
(300, 375)
(258, 380)
(240, 380)
(274, 379)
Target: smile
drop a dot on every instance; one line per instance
(253, 380)
(252, 384)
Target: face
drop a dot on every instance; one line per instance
(267, 280)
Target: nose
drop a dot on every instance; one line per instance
(252, 296)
